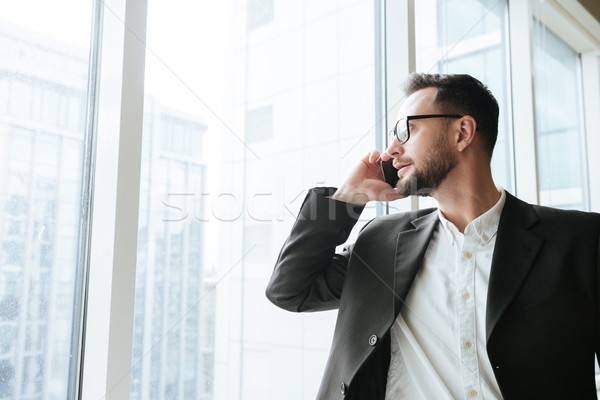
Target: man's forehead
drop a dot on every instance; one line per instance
(418, 103)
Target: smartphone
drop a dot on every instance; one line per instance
(390, 174)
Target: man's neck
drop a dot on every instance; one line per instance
(463, 202)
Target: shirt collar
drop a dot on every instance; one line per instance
(485, 226)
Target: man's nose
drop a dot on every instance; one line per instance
(394, 149)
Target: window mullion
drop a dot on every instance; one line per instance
(87, 199)
(523, 111)
(108, 341)
(399, 62)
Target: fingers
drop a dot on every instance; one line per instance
(385, 156)
(374, 157)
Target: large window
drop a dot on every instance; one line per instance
(246, 105)
(559, 127)
(43, 100)
(268, 100)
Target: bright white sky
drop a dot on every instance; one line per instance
(188, 42)
(189, 36)
(50, 18)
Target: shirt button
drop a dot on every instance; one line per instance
(468, 344)
(485, 238)
(373, 340)
(472, 393)
(468, 255)
(466, 295)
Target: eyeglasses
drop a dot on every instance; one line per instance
(401, 130)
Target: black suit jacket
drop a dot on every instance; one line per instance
(542, 317)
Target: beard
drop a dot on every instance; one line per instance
(438, 161)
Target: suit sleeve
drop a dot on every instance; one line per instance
(309, 274)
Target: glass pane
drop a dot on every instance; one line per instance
(468, 37)
(559, 128)
(276, 97)
(43, 97)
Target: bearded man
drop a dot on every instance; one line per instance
(485, 297)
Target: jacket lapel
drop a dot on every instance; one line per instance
(514, 253)
(410, 250)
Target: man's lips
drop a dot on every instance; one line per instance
(399, 166)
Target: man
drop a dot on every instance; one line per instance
(485, 297)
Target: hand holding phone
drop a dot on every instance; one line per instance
(366, 183)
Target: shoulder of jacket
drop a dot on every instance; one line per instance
(398, 220)
(545, 212)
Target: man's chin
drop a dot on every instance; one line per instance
(423, 192)
(409, 186)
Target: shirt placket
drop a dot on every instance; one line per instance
(467, 316)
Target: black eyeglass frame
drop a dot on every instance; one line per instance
(413, 117)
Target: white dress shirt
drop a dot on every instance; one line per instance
(438, 341)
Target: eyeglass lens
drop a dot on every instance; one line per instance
(400, 131)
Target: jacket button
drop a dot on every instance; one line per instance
(373, 340)
(343, 388)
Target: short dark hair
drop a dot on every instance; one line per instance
(461, 94)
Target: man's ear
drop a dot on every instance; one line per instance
(466, 132)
